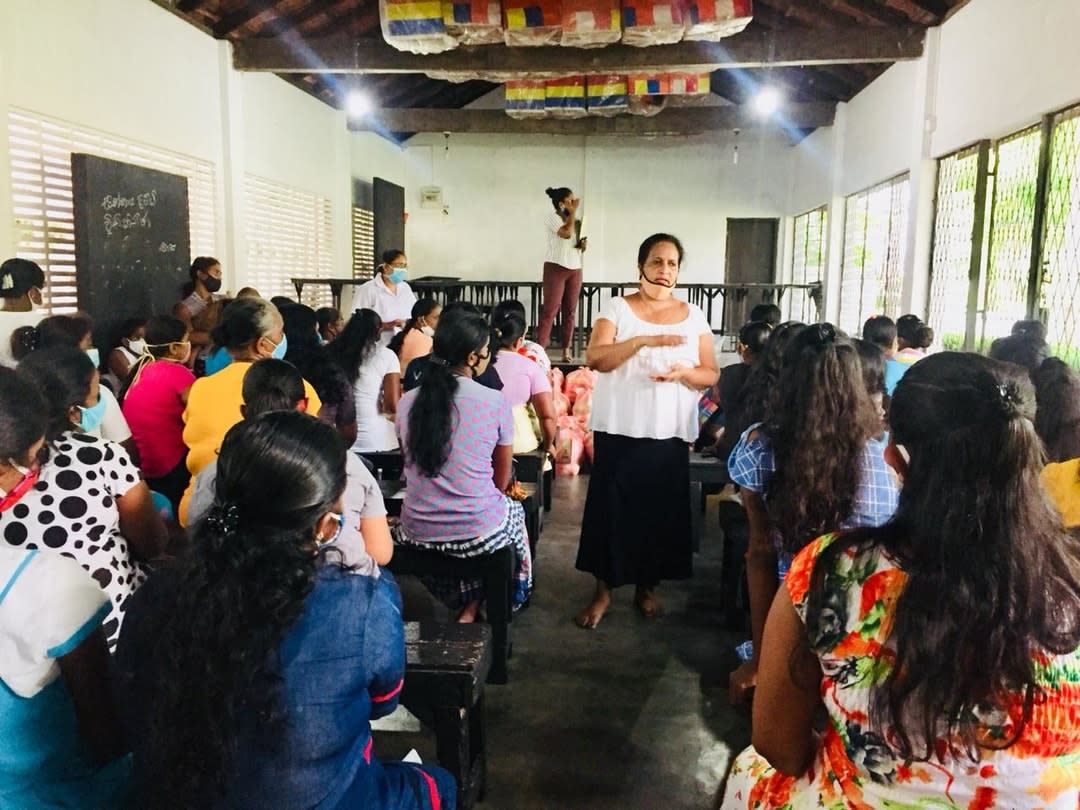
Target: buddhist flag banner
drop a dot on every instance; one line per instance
(606, 95)
(473, 22)
(416, 26)
(648, 22)
(526, 99)
(591, 23)
(565, 98)
(532, 22)
(669, 84)
(713, 20)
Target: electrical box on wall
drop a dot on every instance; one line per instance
(431, 197)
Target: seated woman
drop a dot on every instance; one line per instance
(127, 346)
(1057, 420)
(84, 490)
(943, 646)
(251, 329)
(414, 373)
(531, 349)
(874, 373)
(330, 323)
(812, 466)
(153, 400)
(77, 331)
(524, 384)
(365, 544)
(913, 339)
(256, 665)
(315, 365)
(375, 375)
(60, 741)
(458, 439)
(729, 392)
(414, 339)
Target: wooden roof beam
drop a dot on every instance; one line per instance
(337, 54)
(680, 121)
(247, 13)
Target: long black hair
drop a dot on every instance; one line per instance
(201, 264)
(993, 579)
(421, 309)
(50, 333)
(431, 417)
(820, 418)
(63, 375)
(1025, 350)
(253, 562)
(1057, 420)
(162, 333)
(271, 385)
(311, 357)
(755, 336)
(23, 415)
(881, 331)
(356, 342)
(508, 330)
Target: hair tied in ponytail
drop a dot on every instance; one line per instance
(438, 361)
(823, 333)
(223, 519)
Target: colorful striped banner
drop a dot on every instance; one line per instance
(606, 95)
(715, 19)
(565, 97)
(647, 22)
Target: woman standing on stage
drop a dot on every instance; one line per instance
(562, 269)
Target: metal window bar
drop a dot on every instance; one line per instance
(40, 151)
(1058, 303)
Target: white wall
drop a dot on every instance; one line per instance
(132, 69)
(493, 188)
(994, 67)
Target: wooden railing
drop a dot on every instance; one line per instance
(726, 306)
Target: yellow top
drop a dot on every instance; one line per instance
(213, 407)
(1062, 483)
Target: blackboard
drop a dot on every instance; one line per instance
(389, 201)
(132, 243)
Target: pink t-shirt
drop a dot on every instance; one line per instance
(153, 409)
(521, 377)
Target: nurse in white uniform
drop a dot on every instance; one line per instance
(388, 294)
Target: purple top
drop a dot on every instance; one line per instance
(522, 378)
(461, 501)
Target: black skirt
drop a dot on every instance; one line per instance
(636, 527)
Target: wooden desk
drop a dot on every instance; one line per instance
(446, 666)
(703, 470)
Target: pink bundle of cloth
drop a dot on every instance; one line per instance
(572, 407)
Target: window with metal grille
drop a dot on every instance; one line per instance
(954, 226)
(1013, 184)
(807, 262)
(289, 235)
(363, 242)
(41, 194)
(872, 273)
(1059, 289)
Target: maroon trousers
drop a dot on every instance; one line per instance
(562, 289)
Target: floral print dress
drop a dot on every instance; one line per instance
(856, 767)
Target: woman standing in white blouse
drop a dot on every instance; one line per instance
(562, 268)
(389, 294)
(655, 355)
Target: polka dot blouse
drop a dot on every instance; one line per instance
(72, 510)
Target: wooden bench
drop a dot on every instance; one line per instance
(497, 572)
(445, 669)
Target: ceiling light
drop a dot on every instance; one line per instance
(767, 101)
(357, 104)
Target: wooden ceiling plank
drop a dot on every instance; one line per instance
(337, 54)
(873, 12)
(247, 13)
(682, 121)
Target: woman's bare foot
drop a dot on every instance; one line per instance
(647, 603)
(567, 357)
(595, 610)
(469, 613)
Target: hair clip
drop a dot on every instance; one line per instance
(7, 282)
(438, 361)
(823, 333)
(223, 519)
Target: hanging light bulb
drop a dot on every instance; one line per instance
(357, 104)
(735, 151)
(767, 101)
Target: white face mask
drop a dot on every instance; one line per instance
(137, 347)
(427, 330)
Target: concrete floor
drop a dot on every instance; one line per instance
(631, 715)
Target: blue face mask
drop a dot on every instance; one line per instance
(281, 348)
(397, 275)
(91, 417)
(95, 357)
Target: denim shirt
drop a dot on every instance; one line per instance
(342, 664)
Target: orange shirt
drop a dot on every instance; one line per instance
(1062, 484)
